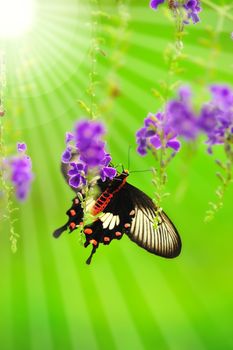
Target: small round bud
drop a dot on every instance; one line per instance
(2, 112)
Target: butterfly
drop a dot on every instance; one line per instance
(120, 208)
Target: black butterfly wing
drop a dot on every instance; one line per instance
(112, 223)
(162, 240)
(75, 218)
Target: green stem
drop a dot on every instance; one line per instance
(8, 206)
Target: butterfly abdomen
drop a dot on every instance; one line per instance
(102, 202)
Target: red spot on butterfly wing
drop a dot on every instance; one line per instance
(118, 234)
(72, 225)
(127, 225)
(88, 231)
(94, 242)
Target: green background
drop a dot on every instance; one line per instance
(127, 298)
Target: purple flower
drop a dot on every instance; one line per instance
(88, 132)
(21, 174)
(216, 116)
(155, 134)
(88, 137)
(174, 143)
(185, 94)
(106, 170)
(87, 142)
(142, 141)
(170, 143)
(208, 118)
(181, 117)
(66, 155)
(94, 154)
(192, 8)
(77, 175)
(69, 137)
(222, 96)
(155, 3)
(21, 147)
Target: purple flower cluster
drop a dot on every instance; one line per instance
(181, 116)
(156, 133)
(87, 142)
(191, 7)
(77, 174)
(216, 116)
(215, 119)
(21, 172)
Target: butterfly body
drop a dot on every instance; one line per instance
(113, 187)
(119, 209)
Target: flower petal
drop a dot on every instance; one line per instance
(69, 137)
(75, 181)
(174, 143)
(155, 3)
(66, 156)
(109, 172)
(107, 159)
(142, 150)
(21, 147)
(155, 141)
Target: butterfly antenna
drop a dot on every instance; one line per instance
(141, 171)
(116, 166)
(129, 149)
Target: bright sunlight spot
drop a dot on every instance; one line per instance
(16, 17)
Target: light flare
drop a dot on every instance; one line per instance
(16, 17)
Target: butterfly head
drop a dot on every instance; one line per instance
(125, 172)
(121, 176)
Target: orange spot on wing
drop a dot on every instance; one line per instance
(93, 241)
(106, 239)
(127, 225)
(88, 231)
(72, 212)
(118, 234)
(72, 225)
